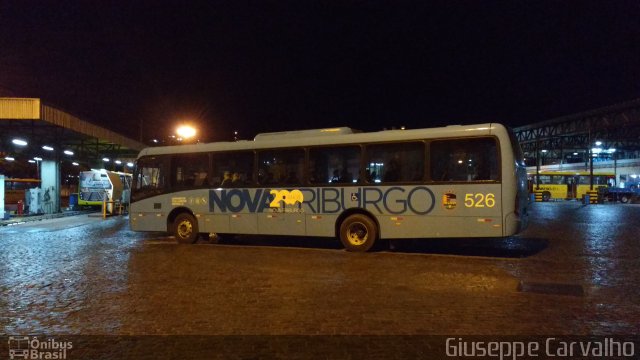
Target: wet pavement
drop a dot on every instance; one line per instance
(575, 271)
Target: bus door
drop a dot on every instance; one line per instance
(284, 215)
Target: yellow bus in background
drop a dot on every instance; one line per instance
(567, 184)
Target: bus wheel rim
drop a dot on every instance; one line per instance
(357, 233)
(184, 229)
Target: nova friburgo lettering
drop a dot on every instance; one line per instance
(396, 200)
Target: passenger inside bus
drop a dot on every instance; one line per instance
(393, 171)
(345, 176)
(341, 176)
(236, 179)
(227, 179)
(200, 178)
(371, 176)
(336, 176)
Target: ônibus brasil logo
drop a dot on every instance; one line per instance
(31, 347)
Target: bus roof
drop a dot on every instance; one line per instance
(304, 133)
(326, 137)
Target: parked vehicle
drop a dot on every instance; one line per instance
(625, 194)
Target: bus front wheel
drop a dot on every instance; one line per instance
(358, 233)
(546, 196)
(185, 228)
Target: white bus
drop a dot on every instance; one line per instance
(454, 181)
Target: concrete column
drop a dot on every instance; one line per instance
(1, 197)
(50, 176)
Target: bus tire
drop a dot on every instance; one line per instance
(185, 229)
(358, 233)
(624, 198)
(546, 196)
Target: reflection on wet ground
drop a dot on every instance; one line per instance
(50, 271)
(574, 271)
(514, 246)
(510, 247)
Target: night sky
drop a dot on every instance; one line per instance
(257, 66)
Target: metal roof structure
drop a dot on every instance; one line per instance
(615, 127)
(39, 125)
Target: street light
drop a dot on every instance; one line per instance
(186, 131)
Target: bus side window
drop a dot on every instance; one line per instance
(449, 161)
(464, 160)
(392, 163)
(336, 165)
(281, 167)
(226, 165)
(189, 170)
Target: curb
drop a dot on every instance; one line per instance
(25, 219)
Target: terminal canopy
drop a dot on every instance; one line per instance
(31, 131)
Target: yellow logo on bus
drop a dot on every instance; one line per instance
(289, 197)
(449, 201)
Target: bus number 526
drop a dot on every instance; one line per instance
(480, 200)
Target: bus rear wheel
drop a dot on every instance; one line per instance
(185, 228)
(546, 196)
(358, 233)
(624, 199)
